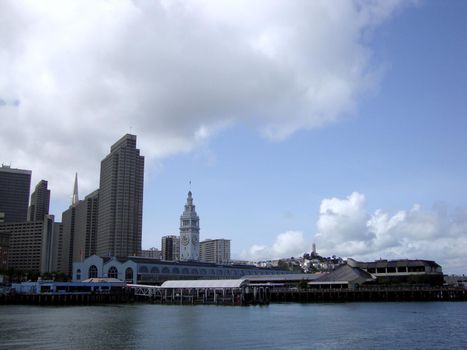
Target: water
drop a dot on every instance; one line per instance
(435, 325)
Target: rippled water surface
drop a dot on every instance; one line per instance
(438, 325)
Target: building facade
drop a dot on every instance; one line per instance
(121, 200)
(31, 245)
(4, 247)
(85, 231)
(170, 248)
(153, 271)
(189, 232)
(14, 193)
(215, 251)
(40, 201)
(152, 253)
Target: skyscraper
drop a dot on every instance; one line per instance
(170, 247)
(85, 232)
(40, 201)
(14, 193)
(121, 200)
(189, 232)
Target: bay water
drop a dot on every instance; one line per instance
(431, 325)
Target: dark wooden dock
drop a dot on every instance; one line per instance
(369, 294)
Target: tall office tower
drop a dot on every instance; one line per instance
(30, 245)
(189, 232)
(14, 193)
(170, 246)
(121, 200)
(68, 231)
(85, 232)
(215, 251)
(40, 200)
(4, 246)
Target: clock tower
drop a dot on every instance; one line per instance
(189, 232)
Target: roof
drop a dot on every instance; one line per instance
(237, 283)
(283, 278)
(345, 273)
(101, 280)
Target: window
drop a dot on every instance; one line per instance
(143, 269)
(129, 275)
(185, 271)
(78, 274)
(155, 269)
(113, 272)
(165, 270)
(92, 273)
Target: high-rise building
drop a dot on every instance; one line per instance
(121, 200)
(85, 232)
(31, 245)
(67, 239)
(14, 193)
(189, 232)
(40, 201)
(4, 247)
(170, 246)
(215, 251)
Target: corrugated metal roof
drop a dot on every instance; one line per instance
(283, 278)
(186, 284)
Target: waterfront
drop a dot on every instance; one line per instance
(435, 325)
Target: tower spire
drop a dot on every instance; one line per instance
(75, 198)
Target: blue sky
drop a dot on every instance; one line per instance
(404, 144)
(341, 123)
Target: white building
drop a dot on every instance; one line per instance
(189, 232)
(215, 251)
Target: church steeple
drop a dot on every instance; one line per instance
(75, 198)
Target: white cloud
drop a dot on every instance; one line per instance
(346, 228)
(176, 72)
(287, 244)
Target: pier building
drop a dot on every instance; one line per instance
(153, 271)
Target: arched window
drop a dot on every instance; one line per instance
(155, 269)
(129, 275)
(185, 271)
(92, 273)
(175, 270)
(113, 272)
(204, 272)
(212, 271)
(165, 270)
(143, 269)
(219, 272)
(78, 274)
(194, 271)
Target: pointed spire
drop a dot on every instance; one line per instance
(75, 198)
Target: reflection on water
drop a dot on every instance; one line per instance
(278, 326)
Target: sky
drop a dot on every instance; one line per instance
(340, 123)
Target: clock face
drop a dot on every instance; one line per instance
(185, 240)
(194, 239)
